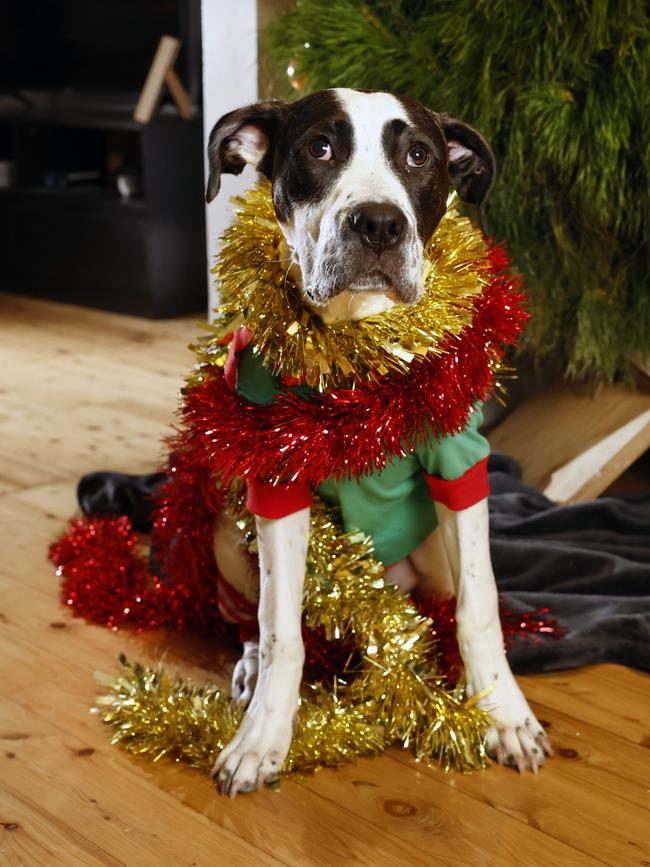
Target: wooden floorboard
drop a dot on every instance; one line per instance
(82, 390)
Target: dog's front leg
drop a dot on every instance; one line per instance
(516, 738)
(260, 746)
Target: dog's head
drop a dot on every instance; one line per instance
(360, 181)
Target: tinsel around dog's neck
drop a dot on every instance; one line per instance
(258, 290)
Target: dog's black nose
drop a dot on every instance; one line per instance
(379, 225)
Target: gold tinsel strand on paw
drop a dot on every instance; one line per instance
(394, 697)
(257, 289)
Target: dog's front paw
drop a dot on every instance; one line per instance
(523, 746)
(244, 676)
(516, 739)
(254, 756)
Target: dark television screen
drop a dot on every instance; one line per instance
(92, 45)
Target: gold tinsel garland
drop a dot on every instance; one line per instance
(257, 290)
(395, 696)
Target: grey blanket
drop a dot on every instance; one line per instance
(589, 563)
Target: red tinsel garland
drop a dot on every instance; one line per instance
(106, 581)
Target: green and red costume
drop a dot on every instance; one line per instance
(393, 505)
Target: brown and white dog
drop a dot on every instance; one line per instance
(360, 181)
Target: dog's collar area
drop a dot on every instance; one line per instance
(260, 289)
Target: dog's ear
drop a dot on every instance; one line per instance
(471, 161)
(244, 136)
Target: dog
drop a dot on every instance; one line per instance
(360, 180)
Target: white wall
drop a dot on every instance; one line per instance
(229, 36)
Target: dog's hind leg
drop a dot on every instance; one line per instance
(239, 592)
(259, 748)
(431, 563)
(516, 738)
(244, 675)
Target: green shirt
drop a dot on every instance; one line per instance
(391, 505)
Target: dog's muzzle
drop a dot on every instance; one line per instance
(365, 247)
(379, 247)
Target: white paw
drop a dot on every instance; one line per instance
(517, 738)
(244, 676)
(255, 755)
(524, 746)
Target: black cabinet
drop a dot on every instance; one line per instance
(66, 231)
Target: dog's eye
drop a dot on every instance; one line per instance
(320, 148)
(417, 155)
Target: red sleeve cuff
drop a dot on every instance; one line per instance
(459, 494)
(276, 501)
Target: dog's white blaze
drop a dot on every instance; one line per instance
(369, 176)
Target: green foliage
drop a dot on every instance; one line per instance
(561, 89)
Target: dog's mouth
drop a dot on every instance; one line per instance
(372, 282)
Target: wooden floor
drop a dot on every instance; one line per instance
(82, 390)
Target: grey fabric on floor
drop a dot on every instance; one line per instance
(589, 563)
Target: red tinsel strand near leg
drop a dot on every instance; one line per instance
(327, 660)
(536, 625)
(106, 581)
(183, 530)
(104, 578)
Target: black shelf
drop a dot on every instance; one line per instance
(89, 112)
(71, 79)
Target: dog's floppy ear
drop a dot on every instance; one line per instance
(243, 136)
(471, 161)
